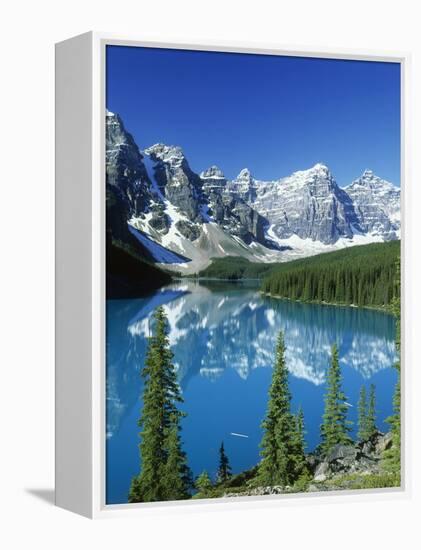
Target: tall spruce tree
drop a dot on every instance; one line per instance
(367, 414)
(224, 468)
(371, 412)
(177, 478)
(277, 466)
(160, 447)
(300, 463)
(335, 427)
(362, 415)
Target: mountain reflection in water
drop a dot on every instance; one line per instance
(223, 337)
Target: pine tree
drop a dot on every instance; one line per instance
(340, 287)
(335, 426)
(320, 286)
(392, 456)
(362, 415)
(277, 466)
(177, 478)
(203, 484)
(224, 469)
(160, 424)
(147, 486)
(371, 413)
(300, 463)
(307, 289)
(367, 414)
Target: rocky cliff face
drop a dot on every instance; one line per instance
(127, 190)
(157, 192)
(244, 186)
(229, 209)
(377, 205)
(176, 181)
(125, 172)
(207, 215)
(308, 204)
(213, 180)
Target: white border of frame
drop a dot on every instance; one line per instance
(99, 508)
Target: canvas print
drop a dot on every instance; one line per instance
(252, 274)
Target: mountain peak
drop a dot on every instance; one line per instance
(172, 154)
(244, 175)
(213, 172)
(318, 172)
(320, 167)
(367, 173)
(370, 180)
(112, 119)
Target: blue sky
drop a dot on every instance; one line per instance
(272, 114)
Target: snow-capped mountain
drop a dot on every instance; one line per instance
(377, 205)
(308, 204)
(184, 219)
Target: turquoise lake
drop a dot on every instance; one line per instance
(223, 338)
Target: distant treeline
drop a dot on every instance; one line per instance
(235, 268)
(360, 275)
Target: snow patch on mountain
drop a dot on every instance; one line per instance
(173, 239)
(160, 254)
(296, 247)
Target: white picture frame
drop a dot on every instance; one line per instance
(80, 276)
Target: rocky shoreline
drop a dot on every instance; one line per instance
(353, 466)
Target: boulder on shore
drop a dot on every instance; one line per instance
(363, 457)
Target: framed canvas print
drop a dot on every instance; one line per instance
(229, 237)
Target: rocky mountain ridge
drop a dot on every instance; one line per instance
(200, 216)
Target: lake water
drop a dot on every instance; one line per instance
(223, 337)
